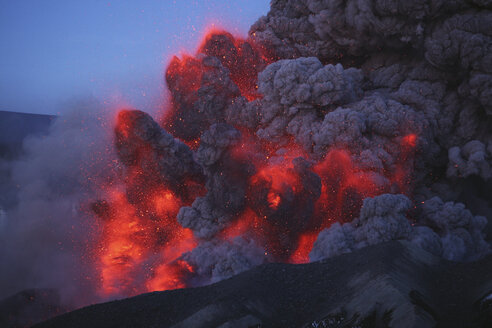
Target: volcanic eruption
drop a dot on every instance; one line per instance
(333, 126)
(267, 156)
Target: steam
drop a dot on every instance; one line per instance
(45, 238)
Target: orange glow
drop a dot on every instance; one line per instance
(131, 235)
(305, 244)
(119, 251)
(280, 178)
(165, 203)
(124, 125)
(189, 70)
(343, 188)
(193, 144)
(273, 200)
(409, 140)
(171, 274)
(248, 223)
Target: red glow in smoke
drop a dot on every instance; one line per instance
(305, 244)
(402, 175)
(409, 141)
(243, 59)
(171, 274)
(133, 233)
(141, 243)
(343, 187)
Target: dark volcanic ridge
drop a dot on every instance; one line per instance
(394, 284)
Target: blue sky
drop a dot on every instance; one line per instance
(57, 50)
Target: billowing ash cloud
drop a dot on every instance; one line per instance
(201, 88)
(140, 141)
(217, 260)
(226, 183)
(335, 125)
(450, 230)
(425, 69)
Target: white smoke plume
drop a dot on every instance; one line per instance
(45, 237)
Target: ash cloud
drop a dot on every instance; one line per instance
(226, 183)
(424, 68)
(217, 260)
(444, 229)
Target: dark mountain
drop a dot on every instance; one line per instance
(394, 284)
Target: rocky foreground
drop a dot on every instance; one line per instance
(393, 284)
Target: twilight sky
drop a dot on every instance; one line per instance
(115, 50)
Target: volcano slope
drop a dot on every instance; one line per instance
(394, 284)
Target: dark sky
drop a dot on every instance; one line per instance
(56, 50)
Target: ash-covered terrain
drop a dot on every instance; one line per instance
(334, 126)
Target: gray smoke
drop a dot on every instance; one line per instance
(217, 260)
(420, 67)
(474, 158)
(226, 183)
(324, 107)
(451, 231)
(45, 238)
